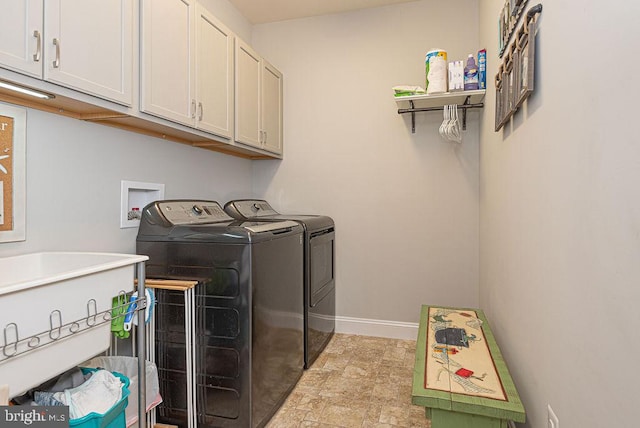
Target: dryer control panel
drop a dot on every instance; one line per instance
(250, 208)
(193, 212)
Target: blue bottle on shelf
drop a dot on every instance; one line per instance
(482, 69)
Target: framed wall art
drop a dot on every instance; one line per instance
(500, 34)
(498, 120)
(507, 90)
(512, 78)
(516, 74)
(506, 105)
(526, 44)
(507, 21)
(516, 6)
(12, 173)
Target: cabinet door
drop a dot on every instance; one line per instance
(214, 70)
(21, 36)
(89, 46)
(168, 71)
(271, 108)
(247, 95)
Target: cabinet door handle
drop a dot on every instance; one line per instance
(193, 109)
(56, 62)
(38, 36)
(200, 111)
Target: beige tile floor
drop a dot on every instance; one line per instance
(357, 381)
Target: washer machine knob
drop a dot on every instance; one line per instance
(197, 209)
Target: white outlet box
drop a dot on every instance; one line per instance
(552, 419)
(134, 196)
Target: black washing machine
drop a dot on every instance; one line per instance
(319, 269)
(229, 355)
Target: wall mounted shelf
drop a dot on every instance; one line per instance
(419, 103)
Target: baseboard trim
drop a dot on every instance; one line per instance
(377, 328)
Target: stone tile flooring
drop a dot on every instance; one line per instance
(357, 381)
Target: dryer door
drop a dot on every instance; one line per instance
(321, 265)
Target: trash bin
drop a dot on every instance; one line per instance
(112, 418)
(128, 366)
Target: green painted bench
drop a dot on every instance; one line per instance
(460, 376)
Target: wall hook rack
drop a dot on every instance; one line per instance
(419, 103)
(15, 345)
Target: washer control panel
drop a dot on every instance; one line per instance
(193, 212)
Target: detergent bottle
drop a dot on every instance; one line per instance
(471, 74)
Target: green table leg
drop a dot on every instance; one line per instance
(448, 419)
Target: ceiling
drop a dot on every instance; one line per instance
(263, 11)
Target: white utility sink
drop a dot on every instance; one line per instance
(51, 299)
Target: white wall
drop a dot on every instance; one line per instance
(560, 218)
(74, 170)
(230, 16)
(405, 206)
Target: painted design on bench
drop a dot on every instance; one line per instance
(460, 360)
(454, 337)
(460, 377)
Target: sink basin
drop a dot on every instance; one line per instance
(48, 306)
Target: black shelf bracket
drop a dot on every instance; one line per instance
(413, 110)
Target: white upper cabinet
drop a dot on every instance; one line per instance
(247, 95)
(89, 46)
(258, 101)
(214, 75)
(187, 73)
(195, 76)
(85, 45)
(167, 65)
(21, 36)
(271, 108)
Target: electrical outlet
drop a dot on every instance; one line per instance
(552, 419)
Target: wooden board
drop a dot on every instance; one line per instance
(459, 367)
(169, 284)
(6, 173)
(141, 124)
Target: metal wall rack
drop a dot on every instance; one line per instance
(15, 346)
(418, 103)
